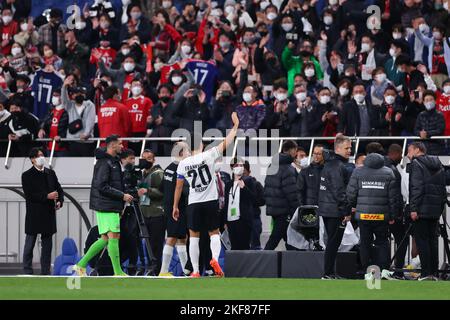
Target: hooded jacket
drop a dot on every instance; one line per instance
(333, 183)
(373, 190)
(427, 192)
(280, 187)
(107, 187)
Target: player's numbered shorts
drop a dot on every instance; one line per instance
(176, 229)
(108, 222)
(203, 214)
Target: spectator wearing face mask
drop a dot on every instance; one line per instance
(294, 63)
(277, 110)
(251, 111)
(300, 112)
(74, 54)
(22, 127)
(81, 113)
(17, 59)
(104, 30)
(368, 58)
(378, 86)
(8, 29)
(413, 77)
(392, 110)
(192, 107)
(55, 126)
(23, 94)
(343, 93)
(224, 57)
(122, 77)
(184, 51)
(27, 35)
(392, 72)
(136, 24)
(165, 37)
(419, 41)
(326, 115)
(104, 52)
(50, 58)
(4, 115)
(54, 31)
(430, 123)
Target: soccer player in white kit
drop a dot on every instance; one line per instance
(198, 171)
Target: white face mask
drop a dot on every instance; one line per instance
(359, 98)
(324, 99)
(396, 35)
(80, 25)
(186, 49)
(280, 96)
(2, 112)
(166, 4)
(447, 89)
(264, 5)
(272, 16)
(56, 101)
(247, 97)
(158, 66)
(128, 66)
(136, 91)
(176, 80)
(430, 105)
(332, 2)
(7, 19)
(423, 28)
(40, 162)
(380, 77)
(16, 51)
(310, 72)
(328, 20)
(301, 96)
(238, 171)
(446, 6)
(125, 52)
(365, 47)
(287, 26)
(304, 162)
(392, 52)
(135, 15)
(389, 99)
(437, 35)
(229, 10)
(24, 27)
(343, 91)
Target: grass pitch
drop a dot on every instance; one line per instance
(43, 288)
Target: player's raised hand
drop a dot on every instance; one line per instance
(235, 119)
(175, 214)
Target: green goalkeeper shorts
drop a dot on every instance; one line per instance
(108, 222)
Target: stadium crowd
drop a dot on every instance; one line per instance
(307, 68)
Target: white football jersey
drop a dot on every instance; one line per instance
(199, 172)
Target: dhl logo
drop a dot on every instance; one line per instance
(373, 216)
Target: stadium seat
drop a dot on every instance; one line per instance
(69, 256)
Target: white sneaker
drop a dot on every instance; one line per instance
(388, 275)
(79, 271)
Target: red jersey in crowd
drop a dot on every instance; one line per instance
(54, 128)
(166, 70)
(113, 119)
(443, 105)
(138, 110)
(8, 33)
(108, 56)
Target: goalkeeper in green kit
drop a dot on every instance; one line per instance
(107, 200)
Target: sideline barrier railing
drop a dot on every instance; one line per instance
(144, 140)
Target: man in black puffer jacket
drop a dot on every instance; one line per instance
(427, 198)
(107, 200)
(281, 193)
(372, 190)
(333, 206)
(309, 179)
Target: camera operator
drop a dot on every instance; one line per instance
(151, 204)
(128, 223)
(427, 198)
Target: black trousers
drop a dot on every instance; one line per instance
(335, 231)
(240, 232)
(255, 237)
(380, 254)
(46, 253)
(157, 230)
(426, 236)
(398, 230)
(279, 231)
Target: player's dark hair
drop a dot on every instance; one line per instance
(112, 138)
(127, 153)
(395, 148)
(374, 147)
(419, 145)
(288, 145)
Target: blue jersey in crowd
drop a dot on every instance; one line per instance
(43, 85)
(205, 74)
